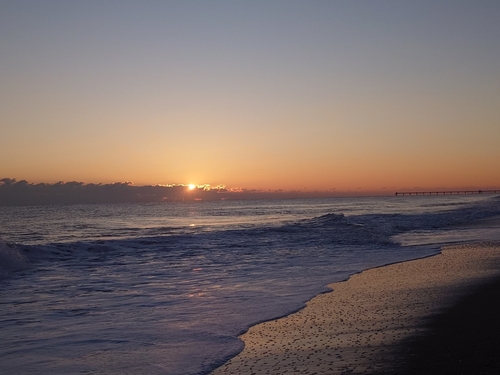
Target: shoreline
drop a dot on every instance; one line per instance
(368, 323)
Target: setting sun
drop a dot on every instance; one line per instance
(191, 186)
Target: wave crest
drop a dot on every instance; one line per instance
(11, 259)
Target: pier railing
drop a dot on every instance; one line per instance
(446, 192)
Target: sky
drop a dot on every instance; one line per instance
(351, 95)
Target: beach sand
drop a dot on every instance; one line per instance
(387, 320)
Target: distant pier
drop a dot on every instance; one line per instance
(448, 192)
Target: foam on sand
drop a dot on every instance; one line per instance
(361, 326)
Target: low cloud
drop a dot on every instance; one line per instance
(15, 193)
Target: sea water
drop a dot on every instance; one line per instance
(166, 288)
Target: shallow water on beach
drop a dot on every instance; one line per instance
(166, 288)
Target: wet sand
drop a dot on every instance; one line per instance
(378, 320)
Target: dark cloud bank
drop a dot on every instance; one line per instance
(15, 193)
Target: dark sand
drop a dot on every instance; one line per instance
(437, 315)
(464, 339)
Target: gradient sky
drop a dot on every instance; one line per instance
(322, 95)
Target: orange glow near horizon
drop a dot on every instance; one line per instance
(378, 175)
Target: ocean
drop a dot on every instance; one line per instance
(166, 288)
